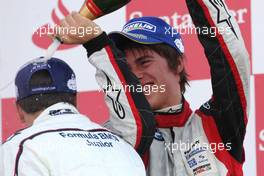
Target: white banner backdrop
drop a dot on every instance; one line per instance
(257, 36)
(17, 29)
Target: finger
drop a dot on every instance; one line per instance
(65, 39)
(57, 30)
(51, 36)
(64, 27)
(79, 18)
(70, 20)
(64, 23)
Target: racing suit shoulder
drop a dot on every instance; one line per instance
(230, 71)
(130, 114)
(64, 142)
(9, 151)
(15, 135)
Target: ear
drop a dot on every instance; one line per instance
(180, 66)
(21, 113)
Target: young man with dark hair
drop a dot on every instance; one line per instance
(208, 141)
(59, 140)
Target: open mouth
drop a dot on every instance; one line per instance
(147, 84)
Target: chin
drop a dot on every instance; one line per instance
(153, 102)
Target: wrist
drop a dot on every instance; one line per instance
(97, 43)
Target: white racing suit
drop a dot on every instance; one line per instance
(204, 142)
(62, 142)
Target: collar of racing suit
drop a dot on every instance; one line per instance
(55, 110)
(175, 116)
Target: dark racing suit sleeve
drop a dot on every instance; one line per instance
(130, 114)
(230, 71)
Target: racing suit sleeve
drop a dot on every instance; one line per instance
(130, 114)
(29, 163)
(229, 68)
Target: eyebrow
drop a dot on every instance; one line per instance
(138, 60)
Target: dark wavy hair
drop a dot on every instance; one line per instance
(172, 56)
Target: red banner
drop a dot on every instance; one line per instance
(90, 104)
(259, 96)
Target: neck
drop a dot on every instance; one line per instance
(30, 118)
(173, 100)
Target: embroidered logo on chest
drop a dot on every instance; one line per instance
(199, 159)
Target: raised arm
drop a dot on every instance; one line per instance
(130, 114)
(230, 71)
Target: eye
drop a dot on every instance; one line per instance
(145, 62)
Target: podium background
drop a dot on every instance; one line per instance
(19, 42)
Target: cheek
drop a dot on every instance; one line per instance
(156, 100)
(155, 73)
